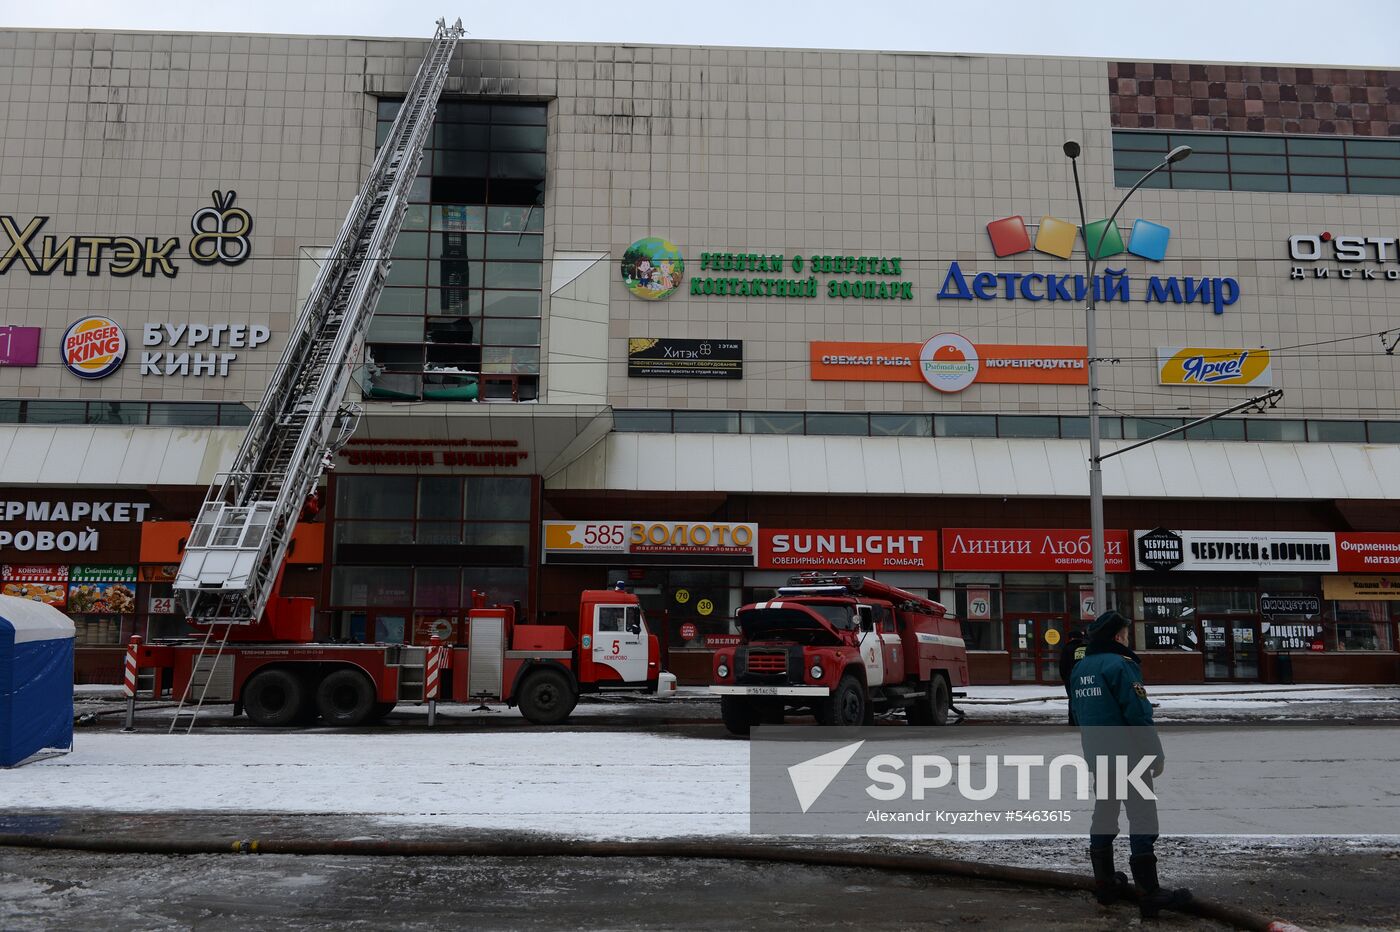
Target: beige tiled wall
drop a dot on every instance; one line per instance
(771, 151)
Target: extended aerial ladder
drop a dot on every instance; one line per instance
(233, 559)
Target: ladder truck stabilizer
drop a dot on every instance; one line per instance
(232, 564)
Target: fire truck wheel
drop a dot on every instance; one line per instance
(547, 697)
(738, 713)
(846, 705)
(931, 708)
(345, 698)
(273, 697)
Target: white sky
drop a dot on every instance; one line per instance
(1303, 31)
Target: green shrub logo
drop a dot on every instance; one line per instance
(652, 268)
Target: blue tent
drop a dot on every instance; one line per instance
(36, 679)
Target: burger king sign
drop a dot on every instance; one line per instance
(93, 347)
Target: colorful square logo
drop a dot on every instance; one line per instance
(1149, 240)
(1055, 237)
(1009, 236)
(1102, 239)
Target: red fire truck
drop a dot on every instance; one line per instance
(275, 673)
(258, 649)
(840, 648)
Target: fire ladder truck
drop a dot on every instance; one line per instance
(258, 648)
(233, 560)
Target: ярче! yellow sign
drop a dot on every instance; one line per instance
(1200, 365)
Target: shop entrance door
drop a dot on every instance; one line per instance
(1231, 648)
(1035, 639)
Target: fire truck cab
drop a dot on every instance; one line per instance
(840, 648)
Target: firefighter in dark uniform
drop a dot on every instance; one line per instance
(1070, 654)
(1107, 690)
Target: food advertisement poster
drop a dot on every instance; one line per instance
(47, 584)
(102, 590)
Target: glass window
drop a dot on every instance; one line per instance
(387, 109)
(1228, 601)
(515, 219)
(1316, 165)
(454, 331)
(502, 534)
(438, 533)
(512, 331)
(1152, 142)
(1259, 163)
(501, 585)
(1032, 600)
(1260, 182)
(512, 303)
(412, 244)
(407, 272)
(642, 420)
(497, 497)
(1126, 179)
(1271, 429)
(400, 301)
(1375, 185)
(395, 329)
(459, 218)
(517, 164)
(1266, 145)
(1023, 425)
(1200, 181)
(1141, 428)
(1388, 168)
(1319, 184)
(117, 412)
(1199, 143)
(839, 425)
(389, 533)
(416, 217)
(375, 497)
(1301, 145)
(513, 274)
(234, 415)
(440, 497)
(706, 422)
(188, 415)
(438, 586)
(56, 412)
(457, 111)
(527, 114)
(1374, 148)
(982, 635)
(1337, 431)
(1356, 626)
(9, 412)
(1137, 161)
(515, 245)
(965, 425)
(526, 138)
(1207, 162)
(1222, 429)
(901, 425)
(772, 422)
(1077, 428)
(370, 585)
(459, 163)
(1383, 431)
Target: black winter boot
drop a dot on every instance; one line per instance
(1153, 899)
(1110, 886)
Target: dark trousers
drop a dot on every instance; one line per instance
(1142, 817)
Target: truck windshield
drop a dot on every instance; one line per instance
(840, 616)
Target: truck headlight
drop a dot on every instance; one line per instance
(817, 671)
(722, 671)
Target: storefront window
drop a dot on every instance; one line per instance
(1164, 620)
(1225, 601)
(684, 606)
(1034, 600)
(978, 608)
(1357, 626)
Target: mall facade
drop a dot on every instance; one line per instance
(699, 318)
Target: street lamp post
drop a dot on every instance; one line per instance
(1091, 260)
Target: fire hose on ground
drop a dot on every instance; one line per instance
(1237, 916)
